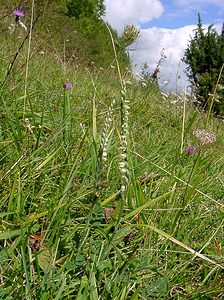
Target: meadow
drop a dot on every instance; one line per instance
(109, 189)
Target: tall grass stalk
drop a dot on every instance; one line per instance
(66, 107)
(90, 214)
(188, 193)
(28, 59)
(183, 121)
(214, 94)
(182, 181)
(94, 109)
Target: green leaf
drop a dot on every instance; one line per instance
(149, 203)
(135, 295)
(93, 288)
(49, 157)
(121, 233)
(83, 290)
(157, 288)
(123, 293)
(45, 258)
(10, 234)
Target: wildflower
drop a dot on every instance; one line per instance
(190, 149)
(128, 82)
(11, 28)
(18, 13)
(205, 137)
(21, 24)
(164, 96)
(129, 35)
(67, 85)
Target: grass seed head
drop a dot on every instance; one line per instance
(204, 137)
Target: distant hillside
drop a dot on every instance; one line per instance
(86, 41)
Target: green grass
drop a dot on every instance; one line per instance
(160, 239)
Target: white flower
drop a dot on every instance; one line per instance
(11, 28)
(128, 82)
(122, 164)
(205, 137)
(123, 171)
(123, 156)
(21, 24)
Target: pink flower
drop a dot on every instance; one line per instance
(190, 149)
(67, 85)
(18, 13)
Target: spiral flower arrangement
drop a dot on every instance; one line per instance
(123, 164)
(102, 157)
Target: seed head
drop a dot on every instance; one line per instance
(129, 35)
(205, 137)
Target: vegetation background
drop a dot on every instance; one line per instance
(109, 188)
(205, 59)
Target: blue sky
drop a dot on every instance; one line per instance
(166, 25)
(163, 13)
(175, 16)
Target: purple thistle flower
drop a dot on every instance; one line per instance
(67, 85)
(18, 13)
(190, 149)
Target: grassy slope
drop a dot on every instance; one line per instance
(48, 160)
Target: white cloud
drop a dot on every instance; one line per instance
(149, 46)
(153, 40)
(122, 12)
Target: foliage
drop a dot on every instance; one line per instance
(68, 230)
(85, 42)
(148, 77)
(205, 58)
(87, 8)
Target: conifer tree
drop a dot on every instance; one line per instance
(205, 57)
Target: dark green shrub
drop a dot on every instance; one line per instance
(205, 57)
